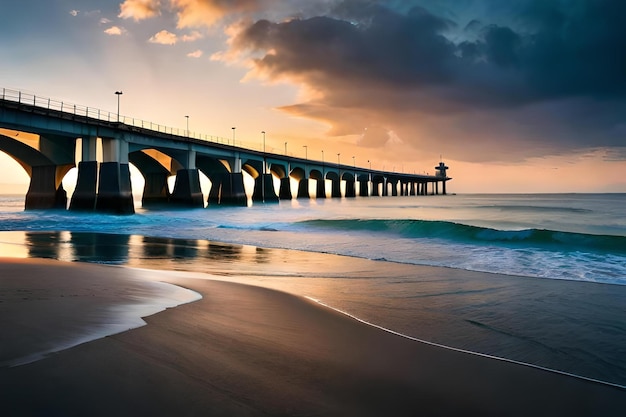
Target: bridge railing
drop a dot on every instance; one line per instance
(30, 99)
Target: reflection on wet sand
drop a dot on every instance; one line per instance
(134, 250)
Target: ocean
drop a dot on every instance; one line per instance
(533, 278)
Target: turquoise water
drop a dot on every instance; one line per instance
(573, 236)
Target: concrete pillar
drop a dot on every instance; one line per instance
(364, 188)
(411, 188)
(156, 191)
(216, 186)
(233, 191)
(257, 194)
(84, 197)
(303, 188)
(437, 187)
(394, 189)
(375, 191)
(43, 192)
(114, 189)
(350, 189)
(187, 192)
(320, 191)
(443, 184)
(285, 189)
(336, 189)
(269, 191)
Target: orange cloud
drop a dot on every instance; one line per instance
(193, 36)
(140, 9)
(198, 13)
(114, 31)
(164, 38)
(195, 54)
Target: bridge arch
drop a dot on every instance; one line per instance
(44, 163)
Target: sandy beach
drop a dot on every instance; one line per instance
(245, 350)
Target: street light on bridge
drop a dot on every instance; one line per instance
(306, 151)
(118, 94)
(285, 148)
(233, 135)
(187, 125)
(338, 163)
(263, 132)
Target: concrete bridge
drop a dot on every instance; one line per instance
(44, 135)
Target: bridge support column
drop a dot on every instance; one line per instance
(114, 189)
(43, 192)
(285, 189)
(264, 189)
(187, 192)
(394, 189)
(84, 197)
(233, 191)
(375, 192)
(364, 188)
(303, 188)
(350, 189)
(443, 185)
(216, 186)
(411, 188)
(335, 191)
(320, 191)
(155, 191)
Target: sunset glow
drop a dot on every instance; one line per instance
(526, 96)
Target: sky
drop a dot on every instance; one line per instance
(515, 96)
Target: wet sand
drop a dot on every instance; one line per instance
(245, 350)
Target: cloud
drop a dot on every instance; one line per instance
(471, 78)
(74, 12)
(191, 37)
(105, 21)
(195, 54)
(198, 13)
(164, 37)
(140, 9)
(115, 31)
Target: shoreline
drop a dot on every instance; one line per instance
(247, 350)
(470, 352)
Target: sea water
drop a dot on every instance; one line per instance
(557, 301)
(572, 236)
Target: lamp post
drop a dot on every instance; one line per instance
(285, 148)
(370, 162)
(187, 125)
(264, 168)
(353, 163)
(118, 94)
(233, 135)
(338, 163)
(306, 151)
(263, 132)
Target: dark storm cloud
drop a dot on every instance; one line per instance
(548, 75)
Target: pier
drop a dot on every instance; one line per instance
(43, 136)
